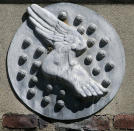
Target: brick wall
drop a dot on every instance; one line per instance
(94, 123)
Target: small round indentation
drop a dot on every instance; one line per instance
(96, 71)
(30, 93)
(33, 81)
(49, 88)
(91, 29)
(81, 30)
(103, 42)
(90, 42)
(60, 103)
(62, 93)
(62, 15)
(25, 44)
(78, 20)
(100, 55)
(88, 60)
(39, 51)
(105, 83)
(22, 59)
(109, 67)
(21, 74)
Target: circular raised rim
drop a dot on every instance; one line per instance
(105, 102)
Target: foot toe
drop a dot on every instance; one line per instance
(81, 92)
(88, 93)
(93, 92)
(97, 89)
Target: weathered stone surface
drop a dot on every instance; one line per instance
(42, 123)
(94, 123)
(98, 123)
(19, 121)
(124, 121)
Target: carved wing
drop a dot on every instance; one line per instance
(48, 26)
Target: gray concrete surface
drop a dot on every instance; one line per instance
(120, 16)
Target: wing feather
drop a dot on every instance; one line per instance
(47, 25)
(50, 36)
(38, 20)
(45, 15)
(49, 18)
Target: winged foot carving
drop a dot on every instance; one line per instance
(62, 61)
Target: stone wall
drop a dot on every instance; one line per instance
(122, 18)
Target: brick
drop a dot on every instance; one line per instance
(94, 123)
(17, 121)
(124, 121)
(97, 123)
(66, 129)
(42, 123)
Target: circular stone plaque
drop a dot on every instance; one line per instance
(46, 84)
